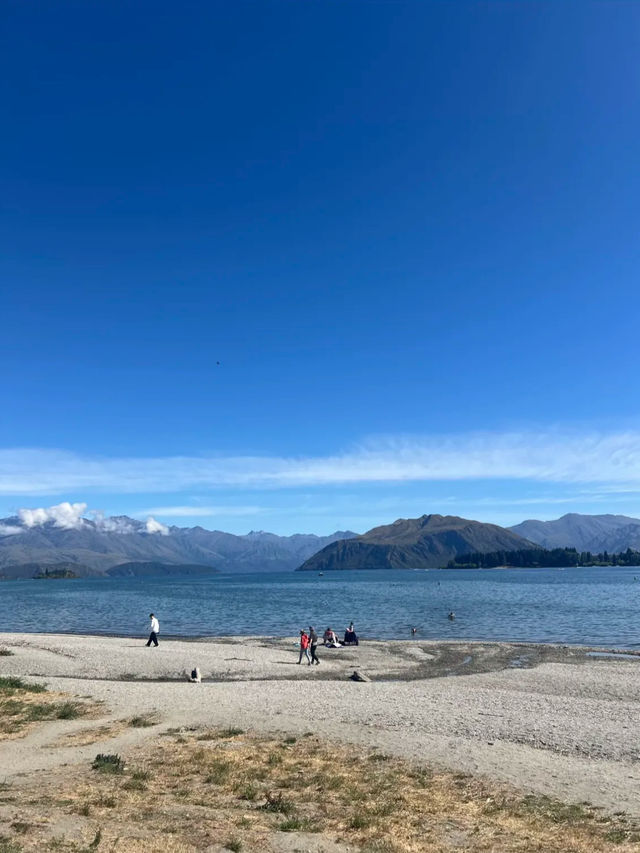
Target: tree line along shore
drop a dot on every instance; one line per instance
(534, 558)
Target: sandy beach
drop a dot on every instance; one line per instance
(550, 720)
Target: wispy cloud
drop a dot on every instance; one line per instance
(204, 511)
(554, 456)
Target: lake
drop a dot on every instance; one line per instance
(597, 606)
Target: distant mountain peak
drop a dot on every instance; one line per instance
(595, 533)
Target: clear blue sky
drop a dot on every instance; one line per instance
(408, 231)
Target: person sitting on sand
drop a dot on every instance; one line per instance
(350, 636)
(304, 647)
(330, 639)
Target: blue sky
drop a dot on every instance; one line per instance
(407, 231)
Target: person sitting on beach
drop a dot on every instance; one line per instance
(304, 647)
(350, 636)
(330, 639)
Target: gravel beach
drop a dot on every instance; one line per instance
(551, 720)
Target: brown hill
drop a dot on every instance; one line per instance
(415, 543)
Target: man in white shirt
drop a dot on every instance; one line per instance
(155, 630)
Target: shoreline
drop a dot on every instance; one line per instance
(631, 650)
(542, 718)
(264, 659)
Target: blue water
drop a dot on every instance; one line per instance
(592, 606)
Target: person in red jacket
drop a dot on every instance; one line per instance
(304, 647)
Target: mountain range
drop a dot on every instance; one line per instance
(595, 533)
(415, 543)
(122, 545)
(125, 546)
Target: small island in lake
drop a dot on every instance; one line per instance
(55, 572)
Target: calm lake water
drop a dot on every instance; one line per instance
(592, 606)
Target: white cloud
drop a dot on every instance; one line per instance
(69, 517)
(65, 515)
(153, 526)
(552, 456)
(107, 524)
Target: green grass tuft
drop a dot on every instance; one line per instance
(219, 771)
(9, 683)
(141, 775)
(68, 711)
(277, 803)
(248, 792)
(105, 763)
(359, 821)
(554, 810)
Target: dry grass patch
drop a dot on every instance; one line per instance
(220, 734)
(85, 737)
(8, 845)
(144, 721)
(188, 793)
(22, 705)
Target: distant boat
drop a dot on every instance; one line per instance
(320, 574)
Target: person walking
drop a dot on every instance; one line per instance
(155, 630)
(304, 647)
(313, 645)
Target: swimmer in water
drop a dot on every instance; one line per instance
(414, 630)
(451, 615)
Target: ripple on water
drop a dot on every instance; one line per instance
(593, 607)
